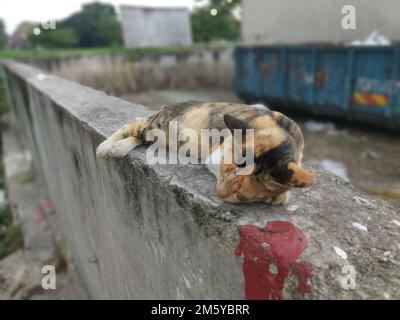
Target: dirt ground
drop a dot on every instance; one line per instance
(370, 157)
(367, 157)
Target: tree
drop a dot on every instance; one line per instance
(60, 37)
(109, 32)
(20, 37)
(95, 25)
(215, 21)
(3, 35)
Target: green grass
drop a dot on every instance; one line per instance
(10, 236)
(10, 241)
(2, 177)
(64, 53)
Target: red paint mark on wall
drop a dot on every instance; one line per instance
(303, 272)
(41, 212)
(47, 206)
(270, 254)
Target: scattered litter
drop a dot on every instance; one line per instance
(386, 295)
(335, 167)
(370, 155)
(360, 226)
(362, 201)
(374, 39)
(396, 222)
(383, 259)
(318, 126)
(340, 252)
(292, 208)
(386, 256)
(387, 253)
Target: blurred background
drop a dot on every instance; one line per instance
(333, 66)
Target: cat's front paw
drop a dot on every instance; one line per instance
(122, 147)
(279, 199)
(104, 148)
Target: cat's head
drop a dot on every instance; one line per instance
(276, 155)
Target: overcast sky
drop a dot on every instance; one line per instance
(15, 11)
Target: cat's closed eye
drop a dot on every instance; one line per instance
(242, 165)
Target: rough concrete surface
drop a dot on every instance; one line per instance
(140, 231)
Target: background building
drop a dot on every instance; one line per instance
(291, 21)
(155, 27)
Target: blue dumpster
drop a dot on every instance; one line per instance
(353, 83)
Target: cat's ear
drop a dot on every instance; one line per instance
(233, 123)
(300, 178)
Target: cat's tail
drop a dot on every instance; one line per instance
(123, 140)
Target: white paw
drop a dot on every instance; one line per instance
(104, 148)
(287, 197)
(282, 198)
(122, 147)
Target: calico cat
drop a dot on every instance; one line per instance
(278, 147)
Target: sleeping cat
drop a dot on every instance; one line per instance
(277, 147)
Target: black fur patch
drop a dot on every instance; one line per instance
(233, 123)
(275, 162)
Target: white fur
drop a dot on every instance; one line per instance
(122, 147)
(117, 149)
(214, 161)
(259, 106)
(287, 197)
(104, 148)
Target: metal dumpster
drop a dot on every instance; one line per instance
(353, 83)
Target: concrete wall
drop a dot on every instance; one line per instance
(155, 27)
(160, 231)
(291, 21)
(120, 74)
